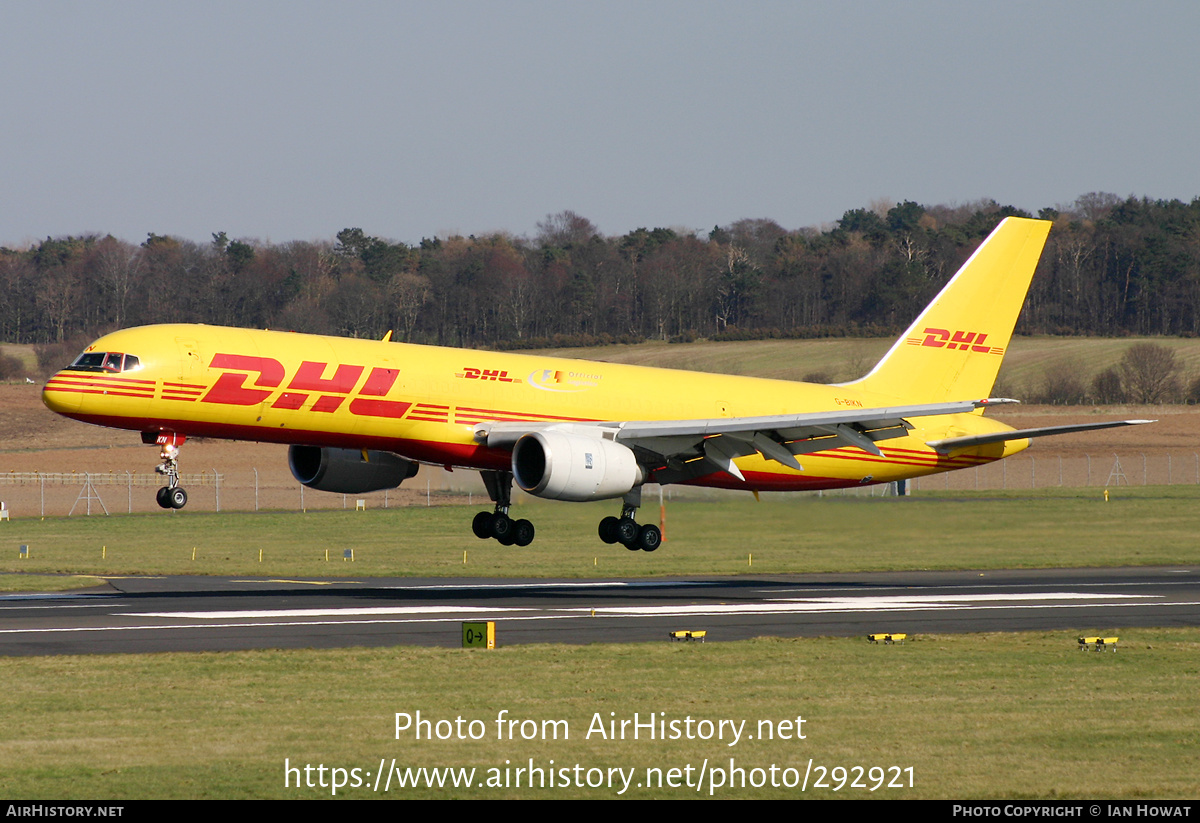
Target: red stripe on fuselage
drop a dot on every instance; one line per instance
(112, 392)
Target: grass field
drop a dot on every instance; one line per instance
(1015, 716)
(781, 534)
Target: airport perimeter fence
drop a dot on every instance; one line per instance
(55, 494)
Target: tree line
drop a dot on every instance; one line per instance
(1112, 266)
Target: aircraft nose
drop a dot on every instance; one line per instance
(58, 397)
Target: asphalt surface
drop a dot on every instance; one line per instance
(157, 614)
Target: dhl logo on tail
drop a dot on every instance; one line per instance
(944, 338)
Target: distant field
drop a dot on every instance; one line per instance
(23, 352)
(843, 359)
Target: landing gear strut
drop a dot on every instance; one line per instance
(498, 524)
(626, 531)
(170, 496)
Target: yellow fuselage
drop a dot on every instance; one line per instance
(424, 402)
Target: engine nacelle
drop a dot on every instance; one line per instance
(559, 465)
(345, 471)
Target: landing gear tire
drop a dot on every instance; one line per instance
(163, 497)
(523, 532)
(502, 528)
(482, 525)
(627, 530)
(649, 538)
(177, 498)
(608, 529)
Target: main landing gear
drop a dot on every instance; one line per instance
(170, 496)
(508, 532)
(626, 531)
(497, 524)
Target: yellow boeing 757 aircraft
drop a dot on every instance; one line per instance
(361, 415)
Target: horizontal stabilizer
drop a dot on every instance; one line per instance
(952, 443)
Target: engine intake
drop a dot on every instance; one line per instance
(562, 466)
(345, 471)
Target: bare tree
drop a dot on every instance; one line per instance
(1106, 386)
(1149, 373)
(59, 297)
(564, 229)
(118, 268)
(408, 293)
(1096, 205)
(1063, 383)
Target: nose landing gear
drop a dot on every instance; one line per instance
(170, 496)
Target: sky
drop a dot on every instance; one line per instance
(279, 121)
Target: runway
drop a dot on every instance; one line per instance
(158, 614)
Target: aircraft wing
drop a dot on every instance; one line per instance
(691, 448)
(952, 443)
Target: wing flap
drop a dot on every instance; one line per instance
(721, 451)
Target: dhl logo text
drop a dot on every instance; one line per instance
(944, 338)
(486, 374)
(310, 379)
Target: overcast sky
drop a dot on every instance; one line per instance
(292, 120)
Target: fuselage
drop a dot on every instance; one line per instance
(424, 402)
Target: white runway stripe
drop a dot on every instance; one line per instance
(822, 604)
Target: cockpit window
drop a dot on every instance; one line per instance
(89, 361)
(110, 362)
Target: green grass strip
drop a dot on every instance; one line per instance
(973, 716)
(781, 534)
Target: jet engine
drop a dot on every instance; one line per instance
(346, 470)
(567, 466)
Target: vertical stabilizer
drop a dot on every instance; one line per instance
(954, 348)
